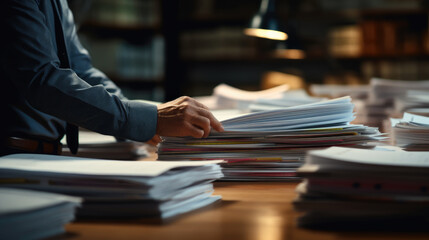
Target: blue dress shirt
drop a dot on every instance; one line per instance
(40, 93)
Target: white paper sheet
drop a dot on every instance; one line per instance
(84, 166)
(371, 157)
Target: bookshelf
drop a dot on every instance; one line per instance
(125, 40)
(203, 43)
(342, 40)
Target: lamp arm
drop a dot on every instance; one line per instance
(267, 6)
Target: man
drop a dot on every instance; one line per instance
(49, 86)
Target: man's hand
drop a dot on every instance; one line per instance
(185, 116)
(155, 140)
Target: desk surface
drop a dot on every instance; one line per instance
(247, 211)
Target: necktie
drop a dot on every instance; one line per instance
(72, 136)
(72, 133)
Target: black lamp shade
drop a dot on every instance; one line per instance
(264, 23)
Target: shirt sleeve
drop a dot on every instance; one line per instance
(80, 58)
(29, 59)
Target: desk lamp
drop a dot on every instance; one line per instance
(264, 23)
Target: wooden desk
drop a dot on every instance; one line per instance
(247, 211)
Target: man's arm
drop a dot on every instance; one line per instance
(181, 117)
(80, 59)
(29, 60)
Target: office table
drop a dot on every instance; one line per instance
(249, 210)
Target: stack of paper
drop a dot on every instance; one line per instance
(227, 97)
(419, 111)
(116, 188)
(411, 132)
(334, 91)
(270, 145)
(230, 97)
(384, 92)
(26, 214)
(344, 185)
(412, 100)
(287, 99)
(359, 94)
(95, 145)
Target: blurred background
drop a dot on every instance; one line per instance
(161, 49)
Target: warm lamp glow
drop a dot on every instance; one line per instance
(264, 33)
(290, 53)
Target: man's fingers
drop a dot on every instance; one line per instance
(185, 117)
(155, 140)
(201, 122)
(193, 131)
(214, 123)
(217, 125)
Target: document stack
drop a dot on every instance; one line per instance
(335, 91)
(228, 97)
(26, 214)
(380, 104)
(288, 99)
(116, 188)
(359, 94)
(411, 132)
(95, 145)
(347, 187)
(384, 91)
(271, 145)
(414, 99)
